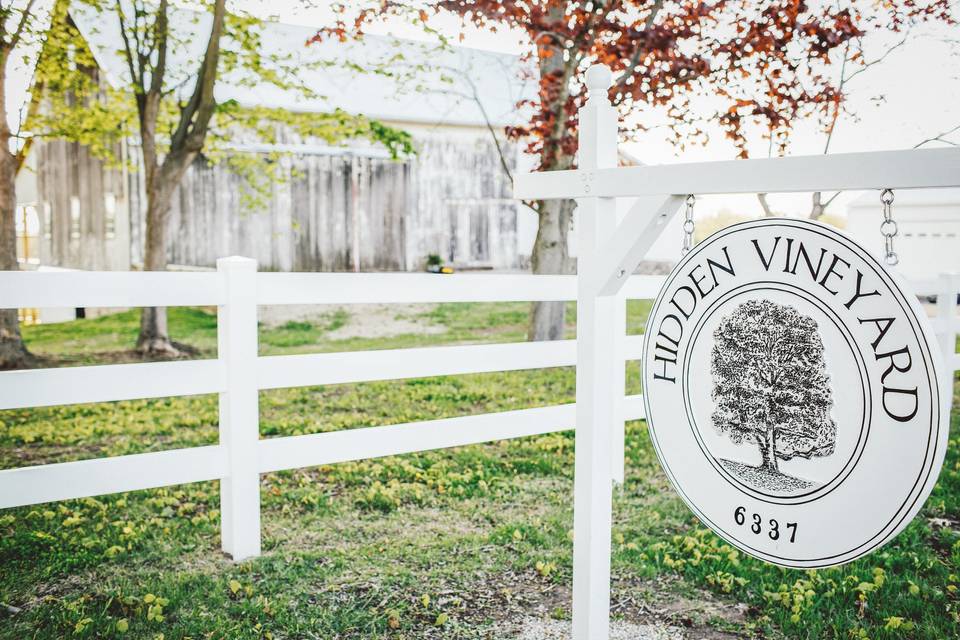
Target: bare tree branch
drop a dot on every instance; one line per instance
(195, 116)
(635, 58)
(818, 206)
(940, 137)
(880, 58)
(143, 59)
(160, 40)
(831, 199)
(135, 77)
(474, 96)
(817, 210)
(21, 26)
(836, 107)
(767, 211)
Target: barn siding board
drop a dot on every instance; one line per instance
(65, 171)
(454, 174)
(331, 211)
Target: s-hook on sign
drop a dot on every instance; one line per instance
(792, 393)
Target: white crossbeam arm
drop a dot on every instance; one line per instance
(633, 238)
(911, 169)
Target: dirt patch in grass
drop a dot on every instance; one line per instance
(536, 629)
(699, 613)
(127, 356)
(35, 454)
(384, 321)
(409, 525)
(526, 609)
(362, 320)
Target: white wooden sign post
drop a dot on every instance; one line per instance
(596, 358)
(610, 251)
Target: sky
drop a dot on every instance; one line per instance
(914, 94)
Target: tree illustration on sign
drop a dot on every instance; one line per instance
(771, 389)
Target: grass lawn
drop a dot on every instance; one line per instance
(460, 543)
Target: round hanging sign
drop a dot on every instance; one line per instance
(792, 393)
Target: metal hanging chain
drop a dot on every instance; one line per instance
(688, 226)
(888, 228)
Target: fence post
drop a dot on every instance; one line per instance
(618, 448)
(239, 409)
(946, 320)
(597, 360)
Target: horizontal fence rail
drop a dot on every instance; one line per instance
(73, 385)
(379, 288)
(375, 442)
(22, 289)
(67, 480)
(106, 383)
(85, 478)
(275, 372)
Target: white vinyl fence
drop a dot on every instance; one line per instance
(238, 374)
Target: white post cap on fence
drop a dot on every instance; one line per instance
(599, 78)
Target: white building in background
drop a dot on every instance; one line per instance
(928, 242)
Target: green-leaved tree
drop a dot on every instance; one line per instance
(169, 105)
(20, 25)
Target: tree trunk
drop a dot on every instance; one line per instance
(769, 451)
(550, 248)
(767, 211)
(817, 208)
(550, 256)
(13, 353)
(154, 338)
(186, 141)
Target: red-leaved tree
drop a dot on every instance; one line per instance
(753, 67)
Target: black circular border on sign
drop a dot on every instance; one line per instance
(826, 488)
(933, 430)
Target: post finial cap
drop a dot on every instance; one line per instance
(599, 78)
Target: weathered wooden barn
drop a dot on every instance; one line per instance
(339, 207)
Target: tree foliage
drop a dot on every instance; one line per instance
(770, 384)
(748, 66)
(766, 63)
